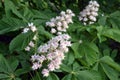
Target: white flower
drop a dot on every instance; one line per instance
(25, 30)
(62, 18)
(45, 72)
(51, 66)
(36, 66)
(50, 56)
(80, 18)
(43, 49)
(60, 23)
(91, 22)
(35, 57)
(85, 19)
(47, 23)
(90, 13)
(66, 36)
(65, 25)
(53, 20)
(30, 27)
(27, 48)
(35, 37)
(80, 41)
(51, 24)
(30, 24)
(85, 23)
(59, 28)
(31, 44)
(59, 33)
(53, 30)
(67, 16)
(33, 28)
(92, 18)
(41, 58)
(52, 53)
(94, 13)
(62, 13)
(68, 11)
(69, 20)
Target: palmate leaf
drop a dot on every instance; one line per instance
(87, 50)
(13, 63)
(66, 68)
(21, 41)
(52, 76)
(11, 8)
(7, 69)
(109, 61)
(102, 20)
(110, 72)
(76, 49)
(69, 77)
(4, 66)
(3, 76)
(10, 24)
(112, 33)
(88, 75)
(114, 19)
(69, 59)
(108, 68)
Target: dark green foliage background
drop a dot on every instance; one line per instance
(96, 58)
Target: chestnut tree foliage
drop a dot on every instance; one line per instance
(59, 39)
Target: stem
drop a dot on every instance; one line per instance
(94, 39)
(38, 75)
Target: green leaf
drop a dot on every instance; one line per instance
(88, 75)
(106, 52)
(102, 20)
(114, 53)
(4, 66)
(76, 67)
(2, 76)
(10, 24)
(100, 30)
(112, 33)
(69, 58)
(67, 77)
(17, 79)
(43, 32)
(19, 72)
(107, 60)
(110, 72)
(66, 68)
(21, 41)
(13, 62)
(114, 19)
(52, 76)
(89, 51)
(76, 49)
(11, 8)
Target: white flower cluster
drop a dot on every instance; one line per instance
(30, 27)
(88, 15)
(51, 53)
(33, 29)
(60, 23)
(31, 44)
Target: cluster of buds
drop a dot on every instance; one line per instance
(30, 27)
(60, 23)
(51, 53)
(33, 29)
(89, 14)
